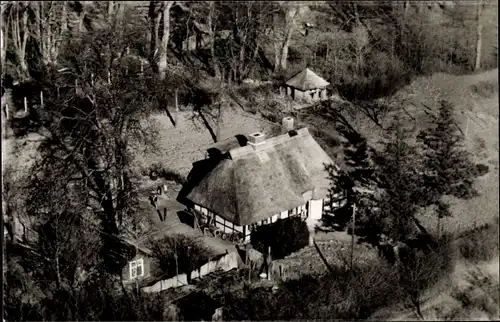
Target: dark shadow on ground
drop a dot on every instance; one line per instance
(186, 218)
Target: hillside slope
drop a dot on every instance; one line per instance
(475, 98)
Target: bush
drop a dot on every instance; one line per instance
(24, 125)
(284, 237)
(480, 244)
(382, 76)
(345, 294)
(190, 253)
(481, 170)
(157, 170)
(481, 296)
(485, 89)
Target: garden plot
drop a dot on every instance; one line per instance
(307, 261)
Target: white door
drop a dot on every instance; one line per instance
(316, 209)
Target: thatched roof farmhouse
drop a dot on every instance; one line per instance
(256, 180)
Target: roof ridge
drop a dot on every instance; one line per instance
(239, 152)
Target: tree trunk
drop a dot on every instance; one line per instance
(479, 32)
(154, 24)
(290, 19)
(20, 27)
(219, 123)
(99, 184)
(276, 57)
(284, 55)
(58, 270)
(24, 64)
(121, 12)
(110, 12)
(81, 17)
(64, 19)
(215, 66)
(41, 31)
(166, 36)
(276, 45)
(416, 303)
(122, 163)
(3, 40)
(9, 219)
(241, 65)
(55, 36)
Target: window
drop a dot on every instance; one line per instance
(136, 268)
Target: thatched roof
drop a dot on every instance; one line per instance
(306, 80)
(252, 183)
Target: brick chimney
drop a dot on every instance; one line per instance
(256, 138)
(287, 124)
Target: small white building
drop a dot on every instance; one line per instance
(308, 86)
(258, 180)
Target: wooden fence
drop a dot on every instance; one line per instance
(225, 263)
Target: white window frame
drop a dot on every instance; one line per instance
(133, 268)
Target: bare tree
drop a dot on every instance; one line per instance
(167, 5)
(154, 25)
(50, 27)
(179, 254)
(89, 133)
(159, 46)
(361, 39)
(17, 19)
(283, 32)
(211, 27)
(420, 271)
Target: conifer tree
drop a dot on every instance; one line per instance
(397, 175)
(448, 168)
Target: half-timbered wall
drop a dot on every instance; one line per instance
(228, 227)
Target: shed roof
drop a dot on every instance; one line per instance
(252, 183)
(306, 80)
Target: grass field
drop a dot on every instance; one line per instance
(473, 289)
(481, 141)
(474, 97)
(187, 142)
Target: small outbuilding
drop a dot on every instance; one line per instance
(307, 85)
